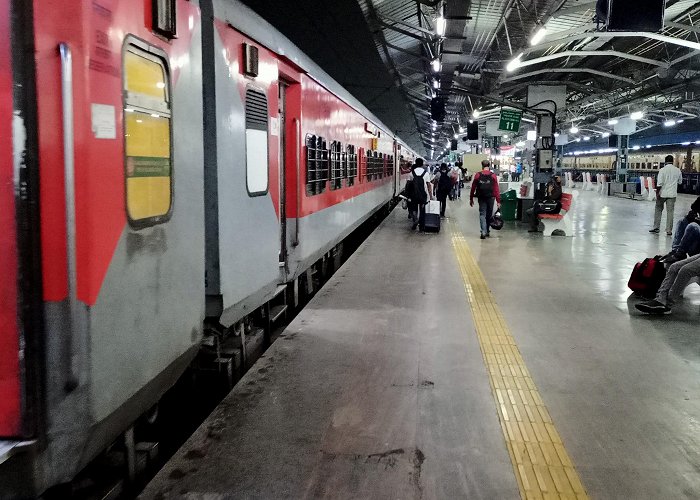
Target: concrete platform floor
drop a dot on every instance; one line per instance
(378, 388)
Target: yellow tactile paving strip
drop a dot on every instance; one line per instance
(540, 462)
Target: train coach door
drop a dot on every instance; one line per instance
(283, 168)
(10, 384)
(20, 268)
(289, 134)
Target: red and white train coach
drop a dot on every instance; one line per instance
(163, 162)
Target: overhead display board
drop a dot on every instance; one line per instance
(509, 120)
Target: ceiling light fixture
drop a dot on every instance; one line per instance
(669, 123)
(586, 137)
(476, 113)
(440, 25)
(436, 65)
(612, 121)
(637, 115)
(573, 129)
(538, 36)
(514, 63)
(605, 134)
(436, 84)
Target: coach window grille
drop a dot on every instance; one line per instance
(344, 163)
(375, 160)
(352, 165)
(148, 134)
(316, 165)
(311, 165)
(336, 165)
(368, 164)
(324, 165)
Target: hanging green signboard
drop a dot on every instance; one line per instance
(510, 120)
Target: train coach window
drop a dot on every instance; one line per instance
(256, 150)
(352, 165)
(316, 165)
(148, 132)
(336, 165)
(369, 165)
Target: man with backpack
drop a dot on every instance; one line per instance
(485, 187)
(422, 191)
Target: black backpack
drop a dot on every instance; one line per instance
(410, 190)
(444, 183)
(419, 188)
(484, 187)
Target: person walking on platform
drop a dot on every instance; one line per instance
(666, 191)
(686, 240)
(422, 189)
(678, 276)
(485, 187)
(444, 186)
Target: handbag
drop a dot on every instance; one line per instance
(497, 221)
(404, 204)
(549, 206)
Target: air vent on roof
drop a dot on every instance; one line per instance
(250, 60)
(255, 110)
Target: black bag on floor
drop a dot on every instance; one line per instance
(647, 277)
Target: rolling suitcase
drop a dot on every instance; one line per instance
(647, 277)
(432, 217)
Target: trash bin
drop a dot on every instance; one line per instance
(509, 203)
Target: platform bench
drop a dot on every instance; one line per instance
(559, 224)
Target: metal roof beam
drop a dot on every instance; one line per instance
(681, 26)
(384, 19)
(591, 53)
(407, 33)
(403, 76)
(570, 70)
(406, 51)
(612, 34)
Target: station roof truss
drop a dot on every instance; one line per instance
(487, 61)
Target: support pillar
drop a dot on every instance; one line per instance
(623, 144)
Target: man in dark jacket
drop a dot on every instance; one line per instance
(444, 186)
(686, 240)
(550, 205)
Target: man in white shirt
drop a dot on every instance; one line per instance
(424, 191)
(666, 191)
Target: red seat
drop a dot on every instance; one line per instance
(566, 199)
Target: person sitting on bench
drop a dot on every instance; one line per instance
(686, 239)
(678, 276)
(550, 205)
